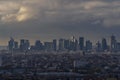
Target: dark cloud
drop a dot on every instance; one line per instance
(48, 19)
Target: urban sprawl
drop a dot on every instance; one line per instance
(63, 59)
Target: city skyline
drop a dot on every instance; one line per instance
(32, 41)
(46, 19)
(63, 44)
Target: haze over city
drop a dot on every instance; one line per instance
(49, 19)
(59, 40)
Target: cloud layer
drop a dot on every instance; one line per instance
(98, 11)
(49, 17)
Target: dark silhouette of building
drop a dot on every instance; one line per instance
(81, 43)
(11, 44)
(24, 45)
(16, 45)
(38, 45)
(55, 44)
(113, 43)
(67, 44)
(61, 45)
(76, 45)
(98, 47)
(48, 46)
(104, 44)
(73, 44)
(88, 46)
(118, 46)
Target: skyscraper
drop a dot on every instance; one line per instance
(61, 44)
(38, 45)
(55, 44)
(98, 48)
(104, 44)
(118, 46)
(88, 46)
(48, 46)
(81, 43)
(67, 44)
(24, 44)
(113, 43)
(73, 44)
(16, 45)
(11, 44)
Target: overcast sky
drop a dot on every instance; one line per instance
(49, 19)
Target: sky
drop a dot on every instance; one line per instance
(48, 19)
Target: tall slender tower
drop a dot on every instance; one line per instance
(113, 43)
(55, 44)
(11, 44)
(81, 43)
(104, 44)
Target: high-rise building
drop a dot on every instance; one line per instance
(72, 39)
(67, 44)
(76, 45)
(72, 45)
(16, 45)
(113, 43)
(104, 44)
(38, 45)
(81, 43)
(99, 47)
(24, 44)
(48, 46)
(55, 44)
(73, 42)
(88, 46)
(61, 45)
(11, 44)
(118, 46)
(27, 44)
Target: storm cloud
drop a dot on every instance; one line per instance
(48, 19)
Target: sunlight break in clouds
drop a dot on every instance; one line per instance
(59, 10)
(13, 11)
(42, 17)
(24, 14)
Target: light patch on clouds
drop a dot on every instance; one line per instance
(94, 4)
(29, 18)
(24, 14)
(59, 10)
(111, 22)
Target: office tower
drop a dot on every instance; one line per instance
(104, 44)
(61, 45)
(38, 45)
(113, 43)
(99, 47)
(16, 45)
(55, 44)
(72, 39)
(88, 46)
(48, 46)
(67, 44)
(27, 44)
(76, 46)
(81, 43)
(11, 44)
(73, 44)
(118, 46)
(24, 45)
